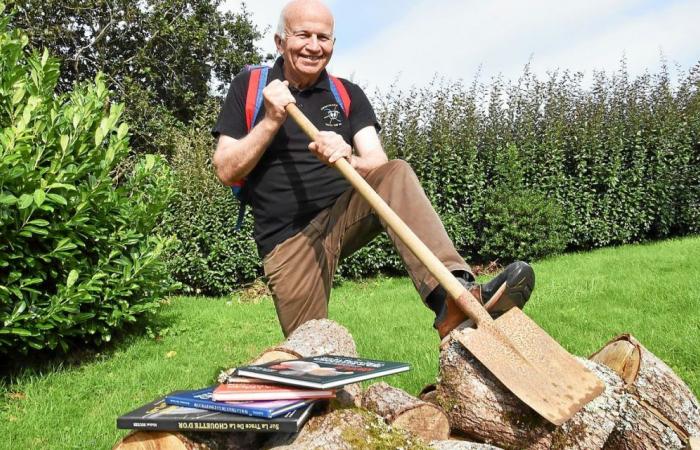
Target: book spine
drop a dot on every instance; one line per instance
(218, 407)
(203, 425)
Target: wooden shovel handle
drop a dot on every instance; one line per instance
(471, 306)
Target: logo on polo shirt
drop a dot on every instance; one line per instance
(332, 115)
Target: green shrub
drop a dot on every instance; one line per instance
(519, 223)
(77, 260)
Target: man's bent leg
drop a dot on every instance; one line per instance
(353, 223)
(398, 185)
(300, 274)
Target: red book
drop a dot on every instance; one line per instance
(258, 391)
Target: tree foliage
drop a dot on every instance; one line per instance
(162, 58)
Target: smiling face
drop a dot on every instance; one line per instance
(307, 46)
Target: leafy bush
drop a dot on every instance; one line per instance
(519, 223)
(77, 257)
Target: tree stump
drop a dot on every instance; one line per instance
(401, 410)
(479, 406)
(659, 410)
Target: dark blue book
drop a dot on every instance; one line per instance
(202, 399)
(158, 416)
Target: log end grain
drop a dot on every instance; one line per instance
(654, 390)
(426, 421)
(453, 444)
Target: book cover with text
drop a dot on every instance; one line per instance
(159, 416)
(322, 372)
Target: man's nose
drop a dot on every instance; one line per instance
(313, 43)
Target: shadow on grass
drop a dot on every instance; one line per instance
(41, 362)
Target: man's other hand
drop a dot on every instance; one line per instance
(277, 97)
(330, 147)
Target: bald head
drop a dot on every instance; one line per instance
(305, 41)
(299, 9)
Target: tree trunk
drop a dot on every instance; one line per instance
(659, 409)
(399, 409)
(479, 406)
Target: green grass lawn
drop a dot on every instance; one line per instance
(582, 300)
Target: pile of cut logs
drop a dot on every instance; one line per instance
(645, 406)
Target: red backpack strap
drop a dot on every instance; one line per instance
(254, 96)
(253, 101)
(340, 94)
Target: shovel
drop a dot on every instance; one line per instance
(529, 362)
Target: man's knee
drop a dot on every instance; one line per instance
(398, 166)
(394, 172)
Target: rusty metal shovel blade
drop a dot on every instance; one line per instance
(532, 365)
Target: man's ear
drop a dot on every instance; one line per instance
(278, 43)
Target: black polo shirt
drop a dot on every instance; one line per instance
(289, 186)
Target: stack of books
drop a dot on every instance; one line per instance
(274, 397)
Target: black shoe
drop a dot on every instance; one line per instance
(520, 281)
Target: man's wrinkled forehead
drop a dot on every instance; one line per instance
(299, 15)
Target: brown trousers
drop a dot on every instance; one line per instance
(300, 270)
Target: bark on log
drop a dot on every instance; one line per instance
(659, 411)
(479, 406)
(348, 429)
(313, 338)
(401, 410)
(429, 393)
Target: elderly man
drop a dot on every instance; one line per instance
(307, 217)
